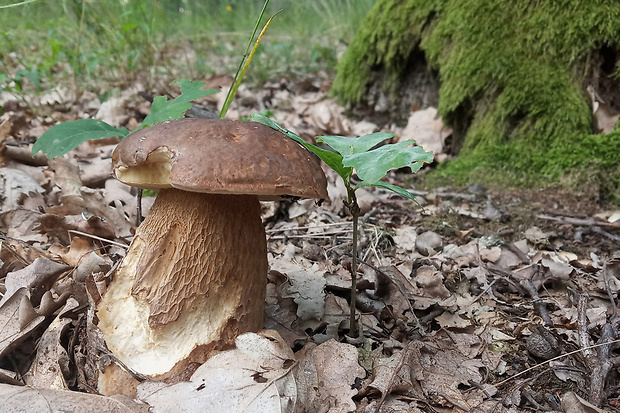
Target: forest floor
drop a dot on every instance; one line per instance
(475, 299)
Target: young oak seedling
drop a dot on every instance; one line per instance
(371, 165)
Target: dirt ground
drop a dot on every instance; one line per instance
(473, 299)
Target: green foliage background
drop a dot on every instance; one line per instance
(518, 71)
(88, 42)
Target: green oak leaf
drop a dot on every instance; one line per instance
(373, 165)
(347, 146)
(332, 159)
(62, 138)
(400, 191)
(163, 109)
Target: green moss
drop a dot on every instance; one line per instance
(519, 67)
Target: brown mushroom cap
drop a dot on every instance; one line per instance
(218, 156)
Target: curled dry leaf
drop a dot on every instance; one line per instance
(26, 399)
(37, 278)
(329, 372)
(14, 185)
(51, 364)
(441, 368)
(73, 254)
(17, 321)
(254, 377)
(305, 287)
(392, 374)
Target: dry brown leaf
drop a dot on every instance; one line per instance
(14, 185)
(18, 399)
(440, 368)
(51, 365)
(305, 287)
(57, 226)
(72, 255)
(392, 374)
(17, 321)
(431, 281)
(254, 377)
(22, 224)
(37, 278)
(572, 403)
(328, 117)
(428, 130)
(281, 313)
(337, 369)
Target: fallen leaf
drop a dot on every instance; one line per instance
(51, 364)
(254, 377)
(14, 184)
(337, 369)
(37, 278)
(25, 399)
(17, 321)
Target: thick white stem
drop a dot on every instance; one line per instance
(193, 279)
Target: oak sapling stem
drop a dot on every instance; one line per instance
(371, 163)
(354, 209)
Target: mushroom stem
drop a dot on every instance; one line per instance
(193, 279)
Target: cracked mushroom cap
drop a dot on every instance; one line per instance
(219, 156)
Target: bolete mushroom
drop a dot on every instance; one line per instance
(195, 274)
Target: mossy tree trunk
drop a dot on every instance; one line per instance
(509, 75)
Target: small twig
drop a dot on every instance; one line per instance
(606, 273)
(603, 365)
(578, 221)
(133, 373)
(604, 233)
(84, 234)
(268, 231)
(402, 361)
(539, 304)
(521, 373)
(344, 231)
(483, 292)
(582, 325)
(139, 207)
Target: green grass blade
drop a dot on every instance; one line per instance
(246, 63)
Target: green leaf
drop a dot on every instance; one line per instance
(348, 146)
(332, 159)
(400, 191)
(373, 165)
(62, 138)
(163, 109)
(32, 74)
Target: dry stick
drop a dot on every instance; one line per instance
(539, 304)
(84, 234)
(139, 208)
(582, 324)
(604, 233)
(332, 224)
(578, 221)
(139, 377)
(501, 383)
(600, 363)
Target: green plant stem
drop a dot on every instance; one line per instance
(243, 64)
(76, 56)
(354, 209)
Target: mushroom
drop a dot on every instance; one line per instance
(195, 274)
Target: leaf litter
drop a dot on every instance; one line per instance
(459, 297)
